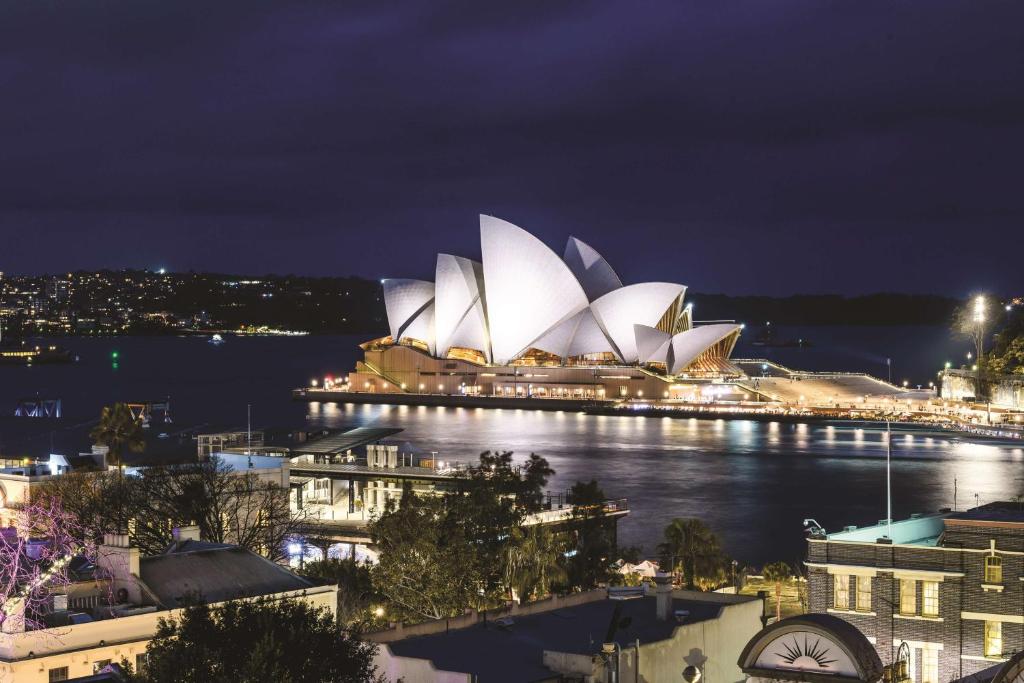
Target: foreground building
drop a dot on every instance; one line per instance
(525, 322)
(947, 588)
(584, 637)
(110, 610)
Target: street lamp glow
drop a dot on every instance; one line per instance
(979, 309)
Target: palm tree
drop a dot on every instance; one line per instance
(532, 561)
(118, 430)
(689, 543)
(777, 573)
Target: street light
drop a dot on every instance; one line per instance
(979, 339)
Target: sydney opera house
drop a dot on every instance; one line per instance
(526, 322)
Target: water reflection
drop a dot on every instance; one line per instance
(753, 482)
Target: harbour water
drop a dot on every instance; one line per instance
(753, 483)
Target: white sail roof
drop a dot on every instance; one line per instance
(528, 289)
(595, 274)
(686, 346)
(589, 337)
(558, 339)
(523, 295)
(421, 327)
(641, 304)
(405, 299)
(652, 344)
(458, 305)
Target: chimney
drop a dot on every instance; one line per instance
(120, 561)
(663, 596)
(186, 533)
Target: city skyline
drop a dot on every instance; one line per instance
(859, 151)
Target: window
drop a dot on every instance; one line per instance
(141, 660)
(993, 569)
(59, 674)
(908, 596)
(930, 598)
(929, 665)
(993, 639)
(842, 591)
(98, 665)
(863, 593)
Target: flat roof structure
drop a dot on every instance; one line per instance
(341, 442)
(578, 629)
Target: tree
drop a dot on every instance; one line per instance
(690, 544)
(32, 572)
(228, 506)
(356, 595)
(593, 549)
(532, 561)
(99, 502)
(489, 501)
(428, 566)
(119, 431)
(255, 641)
(778, 573)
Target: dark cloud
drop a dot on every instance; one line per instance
(741, 147)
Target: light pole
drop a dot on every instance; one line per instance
(979, 337)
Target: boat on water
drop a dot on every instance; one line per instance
(24, 354)
(216, 339)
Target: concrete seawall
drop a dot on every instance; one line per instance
(441, 400)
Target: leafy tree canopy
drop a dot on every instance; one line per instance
(256, 641)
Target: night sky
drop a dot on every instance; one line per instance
(750, 147)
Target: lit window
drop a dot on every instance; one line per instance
(908, 596)
(929, 665)
(993, 569)
(842, 590)
(930, 598)
(993, 638)
(863, 593)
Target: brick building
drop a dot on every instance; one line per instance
(950, 586)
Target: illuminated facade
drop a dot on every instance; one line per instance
(947, 588)
(526, 322)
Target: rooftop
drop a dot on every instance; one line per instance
(214, 573)
(921, 530)
(345, 441)
(999, 511)
(926, 530)
(578, 629)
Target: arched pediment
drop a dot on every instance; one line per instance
(813, 648)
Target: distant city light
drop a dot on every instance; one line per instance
(161, 271)
(312, 382)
